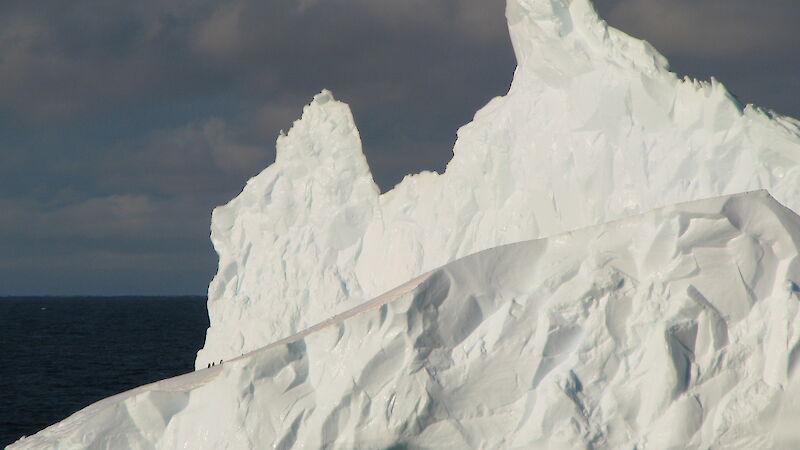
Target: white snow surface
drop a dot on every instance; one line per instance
(594, 128)
(678, 328)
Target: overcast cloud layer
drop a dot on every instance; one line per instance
(122, 124)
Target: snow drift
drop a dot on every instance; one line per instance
(677, 328)
(594, 128)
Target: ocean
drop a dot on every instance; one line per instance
(60, 354)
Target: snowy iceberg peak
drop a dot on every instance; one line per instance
(561, 38)
(325, 120)
(285, 236)
(595, 127)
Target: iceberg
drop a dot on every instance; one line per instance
(594, 128)
(599, 266)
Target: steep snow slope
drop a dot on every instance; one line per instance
(594, 128)
(676, 328)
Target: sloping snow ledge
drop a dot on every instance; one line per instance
(679, 328)
(594, 128)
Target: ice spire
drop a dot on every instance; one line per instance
(280, 241)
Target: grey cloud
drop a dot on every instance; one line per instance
(220, 36)
(62, 59)
(201, 159)
(711, 28)
(263, 122)
(112, 244)
(150, 208)
(749, 46)
(107, 217)
(92, 57)
(61, 267)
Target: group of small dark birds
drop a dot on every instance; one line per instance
(211, 364)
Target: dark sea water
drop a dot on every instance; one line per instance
(62, 354)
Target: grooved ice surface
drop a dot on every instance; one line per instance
(679, 328)
(593, 128)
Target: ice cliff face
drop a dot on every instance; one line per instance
(679, 328)
(594, 128)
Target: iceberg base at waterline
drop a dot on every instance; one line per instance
(676, 328)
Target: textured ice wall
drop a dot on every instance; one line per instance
(594, 128)
(679, 328)
(288, 242)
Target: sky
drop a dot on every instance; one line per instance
(123, 124)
